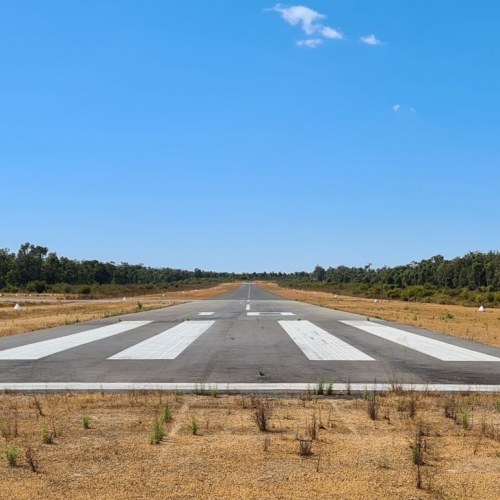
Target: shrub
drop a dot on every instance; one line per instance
(85, 290)
(36, 286)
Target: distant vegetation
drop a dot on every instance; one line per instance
(471, 279)
(34, 269)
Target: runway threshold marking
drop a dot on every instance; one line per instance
(317, 344)
(425, 345)
(168, 344)
(46, 348)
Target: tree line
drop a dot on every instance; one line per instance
(474, 277)
(34, 268)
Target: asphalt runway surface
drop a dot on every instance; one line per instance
(249, 340)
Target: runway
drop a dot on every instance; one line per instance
(245, 340)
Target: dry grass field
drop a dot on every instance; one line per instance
(457, 321)
(209, 446)
(47, 311)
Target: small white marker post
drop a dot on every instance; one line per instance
(124, 299)
(17, 307)
(481, 309)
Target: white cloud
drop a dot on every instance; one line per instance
(311, 43)
(298, 14)
(371, 40)
(328, 32)
(309, 21)
(396, 107)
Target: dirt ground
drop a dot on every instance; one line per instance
(47, 311)
(352, 456)
(457, 321)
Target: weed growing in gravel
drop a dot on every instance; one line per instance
(496, 405)
(86, 421)
(329, 387)
(38, 406)
(194, 426)
(372, 407)
(464, 418)
(31, 459)
(11, 452)
(262, 414)
(320, 387)
(47, 436)
(166, 415)
(305, 447)
(157, 432)
(314, 428)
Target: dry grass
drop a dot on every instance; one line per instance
(457, 321)
(47, 311)
(351, 457)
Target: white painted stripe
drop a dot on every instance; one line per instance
(317, 344)
(205, 314)
(46, 348)
(425, 345)
(248, 307)
(168, 344)
(237, 387)
(270, 313)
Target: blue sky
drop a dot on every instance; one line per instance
(249, 135)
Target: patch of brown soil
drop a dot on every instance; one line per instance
(229, 458)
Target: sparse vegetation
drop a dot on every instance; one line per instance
(353, 454)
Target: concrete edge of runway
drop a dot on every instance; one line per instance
(242, 388)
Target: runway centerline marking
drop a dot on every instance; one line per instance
(46, 348)
(168, 344)
(205, 314)
(319, 345)
(425, 345)
(272, 313)
(248, 307)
